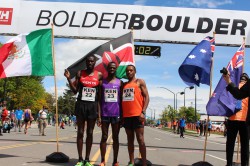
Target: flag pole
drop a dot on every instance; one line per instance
(210, 94)
(132, 31)
(244, 40)
(56, 157)
(53, 55)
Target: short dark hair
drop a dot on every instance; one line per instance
(132, 66)
(91, 55)
(112, 63)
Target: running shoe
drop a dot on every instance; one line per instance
(79, 163)
(102, 164)
(130, 164)
(88, 164)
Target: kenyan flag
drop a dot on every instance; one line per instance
(119, 50)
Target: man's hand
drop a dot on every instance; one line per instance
(99, 122)
(142, 118)
(227, 77)
(66, 74)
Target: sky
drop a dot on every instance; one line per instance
(156, 71)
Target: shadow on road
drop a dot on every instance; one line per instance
(7, 156)
(121, 144)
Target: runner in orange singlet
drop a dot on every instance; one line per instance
(135, 101)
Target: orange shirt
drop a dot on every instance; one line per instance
(132, 100)
(242, 114)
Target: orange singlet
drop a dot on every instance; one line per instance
(132, 100)
(242, 114)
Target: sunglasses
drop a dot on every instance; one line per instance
(243, 79)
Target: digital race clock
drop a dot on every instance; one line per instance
(147, 50)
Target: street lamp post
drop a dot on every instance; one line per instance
(172, 93)
(177, 99)
(195, 111)
(190, 87)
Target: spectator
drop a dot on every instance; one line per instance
(239, 122)
(19, 117)
(201, 127)
(43, 120)
(182, 126)
(209, 127)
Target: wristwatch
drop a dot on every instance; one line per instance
(143, 113)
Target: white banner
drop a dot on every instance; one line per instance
(106, 21)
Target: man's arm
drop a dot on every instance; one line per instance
(237, 93)
(100, 77)
(145, 94)
(99, 103)
(73, 86)
(121, 93)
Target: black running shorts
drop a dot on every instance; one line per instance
(132, 123)
(86, 110)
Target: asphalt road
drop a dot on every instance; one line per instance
(163, 148)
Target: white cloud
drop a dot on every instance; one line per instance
(204, 3)
(140, 2)
(69, 52)
(166, 75)
(161, 98)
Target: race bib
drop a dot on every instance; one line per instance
(128, 94)
(88, 94)
(110, 95)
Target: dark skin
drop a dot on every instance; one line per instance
(90, 64)
(105, 126)
(139, 132)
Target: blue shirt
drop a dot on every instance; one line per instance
(74, 118)
(182, 122)
(198, 124)
(209, 125)
(19, 114)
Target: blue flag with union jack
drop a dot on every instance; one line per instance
(222, 103)
(195, 69)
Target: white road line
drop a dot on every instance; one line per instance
(201, 140)
(216, 157)
(158, 139)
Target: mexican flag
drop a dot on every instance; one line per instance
(27, 54)
(119, 50)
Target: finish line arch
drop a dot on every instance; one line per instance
(106, 21)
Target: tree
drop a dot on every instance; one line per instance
(189, 113)
(66, 103)
(51, 102)
(168, 114)
(23, 92)
(172, 113)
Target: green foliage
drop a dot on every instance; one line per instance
(150, 121)
(66, 103)
(168, 114)
(189, 113)
(50, 100)
(23, 92)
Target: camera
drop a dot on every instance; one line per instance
(223, 71)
